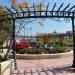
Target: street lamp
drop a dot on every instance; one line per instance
(30, 31)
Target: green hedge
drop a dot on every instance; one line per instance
(56, 49)
(60, 49)
(31, 51)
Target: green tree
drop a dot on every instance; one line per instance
(5, 26)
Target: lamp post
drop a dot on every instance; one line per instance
(31, 32)
(27, 31)
(54, 37)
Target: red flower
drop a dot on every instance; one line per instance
(21, 44)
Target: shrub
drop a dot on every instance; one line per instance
(20, 51)
(70, 45)
(32, 51)
(56, 49)
(60, 49)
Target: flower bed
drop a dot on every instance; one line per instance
(43, 56)
(31, 51)
(23, 47)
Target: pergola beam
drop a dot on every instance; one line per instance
(34, 16)
(53, 7)
(60, 7)
(66, 7)
(47, 8)
(9, 10)
(22, 10)
(15, 10)
(38, 16)
(28, 12)
(71, 8)
(40, 8)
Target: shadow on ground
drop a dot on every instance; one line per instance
(60, 70)
(57, 70)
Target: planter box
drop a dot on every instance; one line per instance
(43, 56)
(6, 67)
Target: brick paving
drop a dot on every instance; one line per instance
(58, 66)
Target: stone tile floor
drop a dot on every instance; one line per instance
(58, 66)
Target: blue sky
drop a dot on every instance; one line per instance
(49, 25)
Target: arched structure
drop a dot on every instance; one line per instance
(32, 12)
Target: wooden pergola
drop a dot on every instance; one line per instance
(31, 12)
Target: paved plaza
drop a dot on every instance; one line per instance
(58, 66)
